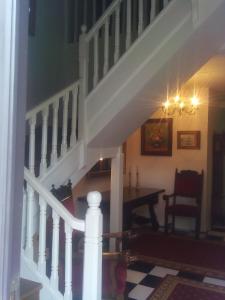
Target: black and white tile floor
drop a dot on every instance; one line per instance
(143, 278)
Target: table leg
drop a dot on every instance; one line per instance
(154, 221)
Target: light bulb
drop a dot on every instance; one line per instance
(166, 104)
(176, 98)
(101, 158)
(195, 101)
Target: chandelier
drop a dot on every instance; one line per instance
(180, 105)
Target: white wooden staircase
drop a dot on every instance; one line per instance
(126, 61)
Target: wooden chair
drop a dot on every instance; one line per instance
(188, 184)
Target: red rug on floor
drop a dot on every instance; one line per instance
(177, 288)
(205, 257)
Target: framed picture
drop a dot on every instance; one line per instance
(188, 139)
(156, 137)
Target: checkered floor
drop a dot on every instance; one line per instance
(143, 278)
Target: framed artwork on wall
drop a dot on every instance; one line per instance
(188, 140)
(156, 137)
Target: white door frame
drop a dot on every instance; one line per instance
(13, 61)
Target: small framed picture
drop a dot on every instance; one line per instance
(188, 140)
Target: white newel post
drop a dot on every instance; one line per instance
(68, 263)
(116, 197)
(29, 250)
(92, 278)
(55, 251)
(83, 70)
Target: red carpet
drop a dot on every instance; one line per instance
(177, 288)
(206, 257)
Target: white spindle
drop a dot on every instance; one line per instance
(153, 10)
(165, 3)
(44, 142)
(65, 123)
(92, 278)
(140, 17)
(68, 263)
(32, 124)
(42, 236)
(74, 116)
(106, 47)
(96, 59)
(128, 34)
(29, 250)
(83, 62)
(54, 155)
(117, 35)
(55, 251)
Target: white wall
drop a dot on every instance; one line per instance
(158, 171)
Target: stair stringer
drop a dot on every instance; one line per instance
(75, 164)
(136, 85)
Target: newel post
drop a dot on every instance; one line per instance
(83, 74)
(92, 278)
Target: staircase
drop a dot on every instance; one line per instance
(126, 60)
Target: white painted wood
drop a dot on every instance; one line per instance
(32, 124)
(44, 140)
(24, 217)
(140, 17)
(117, 34)
(68, 263)
(106, 47)
(153, 10)
(116, 195)
(42, 237)
(54, 279)
(73, 137)
(65, 124)
(128, 34)
(92, 278)
(96, 59)
(54, 154)
(29, 250)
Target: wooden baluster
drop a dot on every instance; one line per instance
(65, 123)
(54, 155)
(42, 236)
(55, 251)
(29, 249)
(165, 3)
(92, 276)
(153, 10)
(73, 137)
(68, 263)
(44, 142)
(106, 47)
(32, 123)
(128, 33)
(140, 17)
(96, 59)
(117, 35)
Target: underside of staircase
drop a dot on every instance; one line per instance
(124, 73)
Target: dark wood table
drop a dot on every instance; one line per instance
(133, 198)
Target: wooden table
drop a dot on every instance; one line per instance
(133, 198)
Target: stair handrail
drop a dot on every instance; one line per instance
(62, 212)
(40, 107)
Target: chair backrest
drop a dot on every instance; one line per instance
(188, 183)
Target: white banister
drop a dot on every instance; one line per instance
(44, 140)
(29, 249)
(117, 34)
(32, 124)
(106, 47)
(92, 278)
(96, 54)
(42, 236)
(128, 38)
(68, 263)
(73, 136)
(140, 17)
(55, 251)
(153, 10)
(54, 155)
(65, 123)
